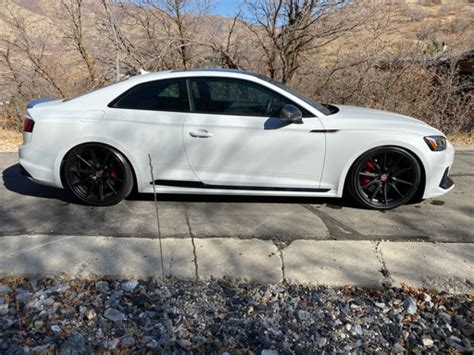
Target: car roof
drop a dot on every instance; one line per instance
(193, 72)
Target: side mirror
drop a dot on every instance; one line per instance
(292, 114)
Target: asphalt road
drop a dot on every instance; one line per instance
(27, 208)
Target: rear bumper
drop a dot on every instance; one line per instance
(37, 166)
(24, 172)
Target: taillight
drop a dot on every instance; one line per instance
(28, 125)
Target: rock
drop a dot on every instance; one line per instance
(185, 344)
(113, 343)
(102, 286)
(446, 318)
(22, 296)
(380, 305)
(466, 342)
(74, 345)
(114, 315)
(303, 315)
(39, 324)
(453, 340)
(269, 352)
(410, 305)
(397, 348)
(56, 328)
(15, 350)
(3, 309)
(428, 342)
(128, 341)
(357, 329)
(152, 344)
(129, 286)
(426, 297)
(90, 314)
(321, 342)
(4, 289)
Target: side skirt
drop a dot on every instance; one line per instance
(201, 185)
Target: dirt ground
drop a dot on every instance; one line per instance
(9, 141)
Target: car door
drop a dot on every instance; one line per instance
(148, 120)
(234, 137)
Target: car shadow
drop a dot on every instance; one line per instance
(15, 182)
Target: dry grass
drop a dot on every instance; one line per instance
(9, 140)
(462, 141)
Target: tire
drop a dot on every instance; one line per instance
(384, 178)
(97, 175)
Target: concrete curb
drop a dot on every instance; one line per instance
(442, 266)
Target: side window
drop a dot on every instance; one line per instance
(160, 95)
(236, 97)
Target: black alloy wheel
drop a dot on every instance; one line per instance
(385, 178)
(97, 174)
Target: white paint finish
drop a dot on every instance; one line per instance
(335, 263)
(252, 151)
(240, 152)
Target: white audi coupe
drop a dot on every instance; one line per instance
(228, 132)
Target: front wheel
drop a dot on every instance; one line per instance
(384, 178)
(97, 175)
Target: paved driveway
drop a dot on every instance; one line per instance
(28, 208)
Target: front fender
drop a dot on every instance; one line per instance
(345, 147)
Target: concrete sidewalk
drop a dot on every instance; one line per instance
(443, 266)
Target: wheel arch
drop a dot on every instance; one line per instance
(342, 189)
(127, 155)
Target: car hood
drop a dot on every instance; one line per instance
(357, 118)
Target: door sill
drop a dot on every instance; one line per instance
(201, 185)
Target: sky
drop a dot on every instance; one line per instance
(226, 7)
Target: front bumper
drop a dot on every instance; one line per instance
(446, 182)
(437, 171)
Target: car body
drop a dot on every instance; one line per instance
(217, 132)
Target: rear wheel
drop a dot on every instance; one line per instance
(384, 178)
(97, 174)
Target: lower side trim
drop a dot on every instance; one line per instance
(201, 185)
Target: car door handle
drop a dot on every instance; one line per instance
(200, 133)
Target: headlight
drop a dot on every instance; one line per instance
(436, 143)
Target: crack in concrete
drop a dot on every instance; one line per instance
(82, 267)
(340, 231)
(195, 261)
(280, 245)
(336, 229)
(387, 278)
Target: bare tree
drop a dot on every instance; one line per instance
(32, 49)
(286, 30)
(73, 32)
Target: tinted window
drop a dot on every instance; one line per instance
(236, 97)
(161, 95)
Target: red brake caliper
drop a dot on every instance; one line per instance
(368, 168)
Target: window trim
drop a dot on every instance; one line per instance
(191, 109)
(181, 82)
(191, 102)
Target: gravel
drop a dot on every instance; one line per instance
(87, 316)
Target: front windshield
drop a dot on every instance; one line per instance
(325, 110)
